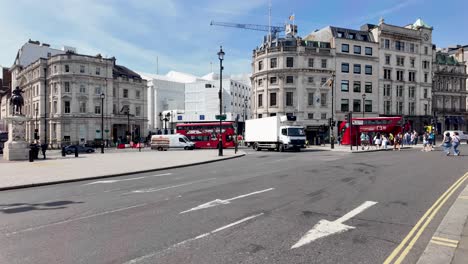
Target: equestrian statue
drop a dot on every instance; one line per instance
(17, 101)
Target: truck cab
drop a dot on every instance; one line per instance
(291, 137)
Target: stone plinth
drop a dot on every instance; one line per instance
(16, 148)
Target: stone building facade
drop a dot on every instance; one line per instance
(289, 77)
(449, 92)
(62, 96)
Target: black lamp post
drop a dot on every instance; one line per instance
(102, 122)
(245, 114)
(221, 58)
(36, 136)
(363, 104)
(165, 119)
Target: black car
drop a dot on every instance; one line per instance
(71, 149)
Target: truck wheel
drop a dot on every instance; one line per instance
(281, 148)
(185, 148)
(256, 147)
(160, 148)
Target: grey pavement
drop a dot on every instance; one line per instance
(96, 165)
(251, 209)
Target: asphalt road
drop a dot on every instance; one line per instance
(246, 210)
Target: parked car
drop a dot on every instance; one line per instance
(81, 149)
(463, 135)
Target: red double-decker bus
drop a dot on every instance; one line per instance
(371, 125)
(206, 135)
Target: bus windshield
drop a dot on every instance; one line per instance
(295, 131)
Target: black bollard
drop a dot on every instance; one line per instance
(31, 158)
(76, 152)
(63, 152)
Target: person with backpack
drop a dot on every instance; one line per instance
(447, 143)
(456, 143)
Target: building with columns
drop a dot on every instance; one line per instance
(449, 91)
(63, 98)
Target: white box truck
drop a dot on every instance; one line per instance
(274, 133)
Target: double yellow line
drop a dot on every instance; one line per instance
(444, 242)
(422, 224)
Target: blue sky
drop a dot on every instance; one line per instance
(136, 32)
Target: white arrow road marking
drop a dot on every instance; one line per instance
(325, 228)
(227, 201)
(166, 188)
(131, 179)
(138, 260)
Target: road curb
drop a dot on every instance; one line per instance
(114, 175)
(449, 234)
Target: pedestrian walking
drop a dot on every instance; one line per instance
(430, 141)
(456, 143)
(398, 140)
(415, 137)
(339, 140)
(377, 141)
(391, 139)
(425, 143)
(447, 143)
(384, 141)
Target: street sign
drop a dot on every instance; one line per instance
(220, 117)
(357, 122)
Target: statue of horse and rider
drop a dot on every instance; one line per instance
(17, 101)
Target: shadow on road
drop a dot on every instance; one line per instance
(26, 207)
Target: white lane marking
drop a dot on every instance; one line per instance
(131, 179)
(74, 219)
(227, 201)
(325, 228)
(166, 188)
(142, 258)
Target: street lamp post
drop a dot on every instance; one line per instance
(35, 125)
(221, 58)
(165, 119)
(102, 122)
(332, 137)
(245, 115)
(363, 104)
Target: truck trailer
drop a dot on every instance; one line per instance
(274, 133)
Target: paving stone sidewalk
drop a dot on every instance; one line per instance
(57, 169)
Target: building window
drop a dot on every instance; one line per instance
(272, 99)
(387, 43)
(399, 75)
(387, 107)
(55, 88)
(323, 99)
(412, 61)
(67, 68)
(344, 105)
(344, 86)
(67, 87)
(356, 105)
(351, 35)
(289, 62)
(310, 115)
(368, 69)
(82, 68)
(311, 63)
(49, 54)
(324, 63)
(387, 74)
(97, 109)
(425, 93)
(368, 106)
(357, 68)
(289, 79)
(411, 90)
(425, 109)
(82, 107)
(98, 71)
(310, 79)
(260, 65)
(369, 51)
(344, 67)
(260, 82)
(345, 48)
(137, 110)
(426, 64)
(82, 88)
(323, 81)
(357, 87)
(425, 77)
(399, 91)
(323, 116)
(387, 90)
(368, 87)
(357, 49)
(289, 98)
(400, 61)
(426, 50)
(114, 109)
(273, 63)
(310, 99)
(387, 59)
(400, 45)
(411, 47)
(137, 94)
(273, 80)
(399, 108)
(97, 90)
(67, 107)
(411, 108)
(412, 76)
(125, 93)
(260, 100)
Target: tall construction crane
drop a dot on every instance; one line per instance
(274, 29)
